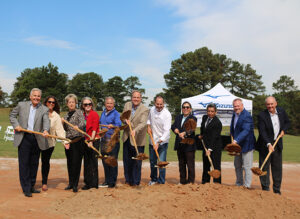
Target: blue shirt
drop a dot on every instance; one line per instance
(31, 116)
(236, 118)
(111, 117)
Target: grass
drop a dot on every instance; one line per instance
(291, 152)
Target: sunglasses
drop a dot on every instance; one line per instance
(186, 107)
(51, 102)
(87, 104)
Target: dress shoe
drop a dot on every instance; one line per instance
(85, 187)
(28, 194)
(68, 187)
(75, 189)
(44, 187)
(266, 188)
(111, 185)
(33, 190)
(277, 192)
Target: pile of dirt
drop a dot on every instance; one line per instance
(176, 201)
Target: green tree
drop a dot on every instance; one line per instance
(3, 98)
(115, 88)
(87, 85)
(133, 83)
(284, 84)
(288, 97)
(47, 78)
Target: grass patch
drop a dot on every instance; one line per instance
(291, 152)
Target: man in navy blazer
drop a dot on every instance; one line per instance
(272, 122)
(242, 131)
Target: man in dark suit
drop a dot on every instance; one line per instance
(31, 115)
(272, 122)
(242, 131)
(211, 128)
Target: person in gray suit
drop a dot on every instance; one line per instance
(31, 115)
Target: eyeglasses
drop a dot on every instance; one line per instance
(186, 107)
(51, 102)
(87, 104)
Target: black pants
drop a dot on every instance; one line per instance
(74, 158)
(276, 167)
(186, 160)
(90, 160)
(111, 173)
(28, 156)
(132, 168)
(45, 157)
(216, 160)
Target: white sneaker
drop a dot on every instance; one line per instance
(104, 185)
(151, 183)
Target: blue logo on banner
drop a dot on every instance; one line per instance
(218, 105)
(215, 97)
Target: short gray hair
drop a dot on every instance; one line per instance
(270, 97)
(237, 99)
(35, 89)
(136, 91)
(69, 96)
(87, 98)
(109, 97)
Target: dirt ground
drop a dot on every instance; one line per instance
(158, 201)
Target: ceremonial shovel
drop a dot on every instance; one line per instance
(258, 171)
(109, 160)
(40, 133)
(125, 116)
(213, 173)
(233, 149)
(160, 164)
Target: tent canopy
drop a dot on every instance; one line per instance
(223, 100)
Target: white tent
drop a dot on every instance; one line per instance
(223, 100)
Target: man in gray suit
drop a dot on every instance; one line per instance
(138, 120)
(31, 115)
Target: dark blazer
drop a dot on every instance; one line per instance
(265, 128)
(244, 131)
(212, 133)
(177, 125)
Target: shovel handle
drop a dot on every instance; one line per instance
(153, 143)
(277, 139)
(77, 129)
(40, 133)
(133, 138)
(211, 163)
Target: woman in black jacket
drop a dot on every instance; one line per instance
(185, 152)
(211, 128)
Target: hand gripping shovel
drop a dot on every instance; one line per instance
(213, 173)
(125, 116)
(160, 164)
(109, 160)
(258, 171)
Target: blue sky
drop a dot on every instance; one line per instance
(142, 37)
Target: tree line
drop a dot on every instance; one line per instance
(193, 73)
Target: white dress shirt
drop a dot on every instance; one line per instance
(275, 123)
(160, 123)
(32, 112)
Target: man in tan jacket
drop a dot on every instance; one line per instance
(138, 119)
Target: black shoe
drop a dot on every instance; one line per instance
(75, 189)
(104, 185)
(85, 187)
(266, 188)
(28, 194)
(68, 187)
(112, 185)
(277, 192)
(33, 190)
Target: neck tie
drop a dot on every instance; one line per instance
(208, 121)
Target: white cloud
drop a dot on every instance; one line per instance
(6, 81)
(46, 41)
(262, 33)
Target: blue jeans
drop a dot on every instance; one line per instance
(162, 151)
